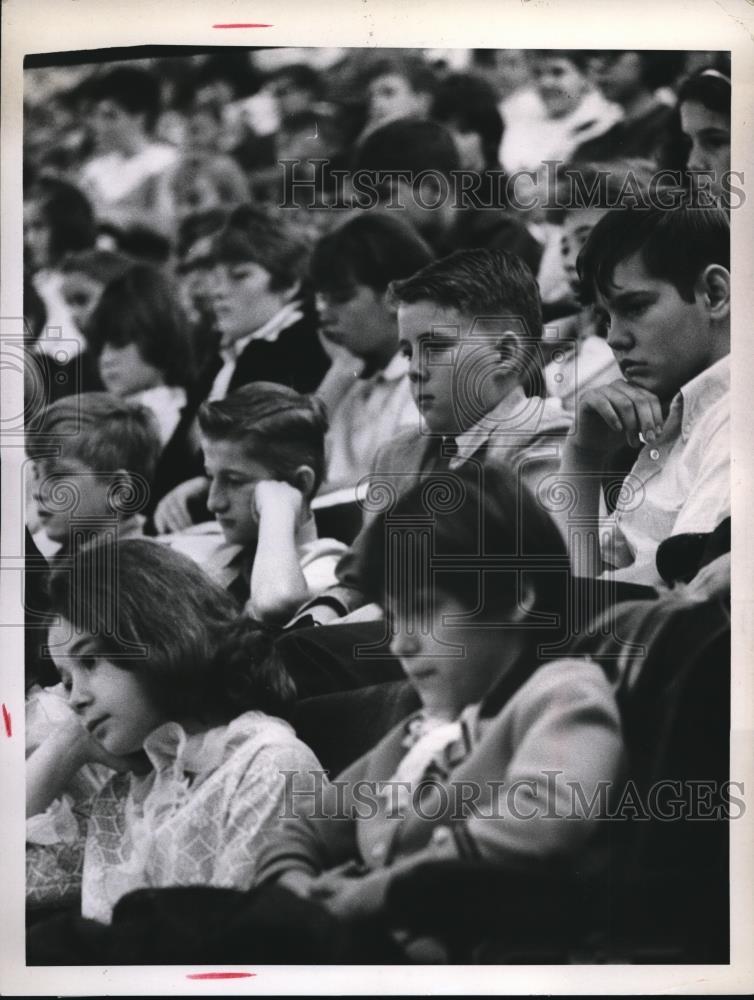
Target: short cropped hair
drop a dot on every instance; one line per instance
(99, 265)
(104, 432)
(408, 144)
(675, 245)
(485, 284)
(135, 90)
(472, 504)
(258, 235)
(195, 227)
(195, 656)
(301, 76)
(68, 214)
(658, 67)
(277, 426)
(141, 307)
(371, 249)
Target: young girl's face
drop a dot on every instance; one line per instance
(124, 371)
(450, 664)
(111, 702)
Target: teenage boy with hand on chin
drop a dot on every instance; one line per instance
(662, 280)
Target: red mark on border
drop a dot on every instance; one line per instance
(243, 26)
(6, 722)
(220, 975)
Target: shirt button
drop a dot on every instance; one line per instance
(654, 454)
(378, 850)
(441, 835)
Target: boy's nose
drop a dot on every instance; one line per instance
(216, 500)
(618, 335)
(79, 696)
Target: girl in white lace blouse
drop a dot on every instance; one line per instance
(184, 701)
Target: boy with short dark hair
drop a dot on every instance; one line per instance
(470, 325)
(661, 279)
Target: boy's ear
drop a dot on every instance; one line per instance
(304, 479)
(510, 348)
(714, 286)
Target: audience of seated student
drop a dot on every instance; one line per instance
(195, 730)
(572, 112)
(58, 220)
(581, 355)
(93, 462)
(470, 325)
(351, 269)
(264, 455)
(661, 278)
(704, 108)
(425, 150)
(632, 80)
(121, 177)
(469, 640)
(266, 319)
(139, 336)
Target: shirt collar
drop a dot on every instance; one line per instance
(291, 313)
(698, 395)
(515, 413)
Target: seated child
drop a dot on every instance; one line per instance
(121, 179)
(264, 455)
(584, 358)
(351, 268)
(93, 462)
(139, 335)
(182, 699)
(470, 326)
(661, 279)
(469, 637)
(704, 107)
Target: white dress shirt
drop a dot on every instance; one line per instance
(679, 483)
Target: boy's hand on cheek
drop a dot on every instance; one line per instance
(272, 497)
(611, 414)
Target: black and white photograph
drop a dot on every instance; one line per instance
(374, 474)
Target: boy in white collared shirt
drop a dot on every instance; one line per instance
(661, 278)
